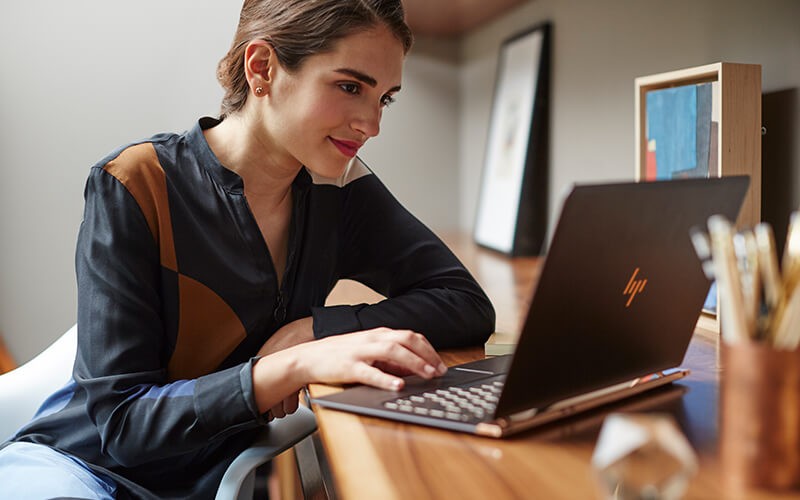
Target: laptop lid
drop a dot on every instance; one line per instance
(620, 290)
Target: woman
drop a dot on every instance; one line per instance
(204, 260)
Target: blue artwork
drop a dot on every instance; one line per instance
(679, 131)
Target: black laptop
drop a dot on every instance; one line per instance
(612, 315)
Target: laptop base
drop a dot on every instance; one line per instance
(496, 427)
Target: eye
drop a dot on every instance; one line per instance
(387, 100)
(350, 88)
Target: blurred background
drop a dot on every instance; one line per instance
(80, 78)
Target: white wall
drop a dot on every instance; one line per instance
(80, 78)
(416, 153)
(599, 48)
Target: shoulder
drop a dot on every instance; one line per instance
(133, 173)
(136, 165)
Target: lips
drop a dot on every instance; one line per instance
(347, 148)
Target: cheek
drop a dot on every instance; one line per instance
(329, 112)
(314, 114)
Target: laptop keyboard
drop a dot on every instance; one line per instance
(467, 403)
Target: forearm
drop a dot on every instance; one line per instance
(429, 290)
(447, 317)
(141, 422)
(289, 335)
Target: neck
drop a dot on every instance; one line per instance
(241, 145)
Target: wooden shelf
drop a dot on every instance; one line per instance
(736, 131)
(452, 18)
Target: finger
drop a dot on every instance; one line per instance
(430, 365)
(392, 368)
(420, 346)
(277, 410)
(369, 375)
(394, 353)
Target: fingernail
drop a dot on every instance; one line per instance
(397, 385)
(442, 368)
(429, 370)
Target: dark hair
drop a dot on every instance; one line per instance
(297, 29)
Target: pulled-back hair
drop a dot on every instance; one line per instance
(297, 29)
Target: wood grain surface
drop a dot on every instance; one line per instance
(375, 458)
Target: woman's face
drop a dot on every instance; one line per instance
(321, 114)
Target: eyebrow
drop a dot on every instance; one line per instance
(364, 78)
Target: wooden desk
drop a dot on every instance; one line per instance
(375, 458)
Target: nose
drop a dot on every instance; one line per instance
(368, 122)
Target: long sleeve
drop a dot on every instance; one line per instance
(428, 290)
(176, 294)
(124, 346)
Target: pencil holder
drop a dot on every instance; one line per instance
(760, 417)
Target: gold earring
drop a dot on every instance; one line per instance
(259, 90)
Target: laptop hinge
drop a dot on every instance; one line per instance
(526, 419)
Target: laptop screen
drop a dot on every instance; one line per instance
(621, 288)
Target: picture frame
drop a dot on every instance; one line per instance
(703, 121)
(511, 216)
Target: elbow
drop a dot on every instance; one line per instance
(121, 450)
(118, 440)
(127, 444)
(122, 456)
(485, 323)
(476, 323)
(481, 323)
(124, 459)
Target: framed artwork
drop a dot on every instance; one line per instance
(702, 122)
(512, 205)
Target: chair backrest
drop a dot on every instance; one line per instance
(23, 389)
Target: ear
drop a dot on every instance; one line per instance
(259, 66)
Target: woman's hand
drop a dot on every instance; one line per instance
(372, 357)
(355, 357)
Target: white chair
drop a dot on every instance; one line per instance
(23, 389)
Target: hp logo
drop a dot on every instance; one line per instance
(634, 286)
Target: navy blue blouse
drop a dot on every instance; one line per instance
(177, 292)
